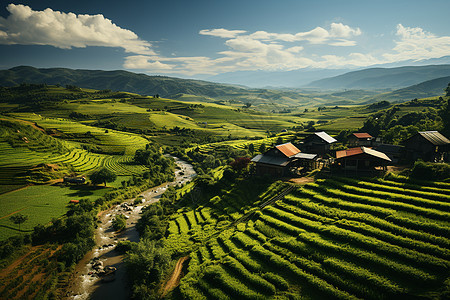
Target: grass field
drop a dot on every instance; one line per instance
(336, 238)
(40, 204)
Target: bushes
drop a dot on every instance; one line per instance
(426, 171)
(119, 222)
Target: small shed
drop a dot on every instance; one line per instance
(76, 179)
(427, 145)
(360, 139)
(276, 161)
(361, 159)
(318, 143)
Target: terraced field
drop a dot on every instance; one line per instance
(39, 148)
(335, 238)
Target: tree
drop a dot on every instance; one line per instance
(251, 148)
(262, 148)
(447, 90)
(18, 219)
(102, 176)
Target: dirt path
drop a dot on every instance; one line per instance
(175, 278)
(33, 124)
(17, 262)
(14, 212)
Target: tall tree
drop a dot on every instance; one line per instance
(18, 219)
(103, 176)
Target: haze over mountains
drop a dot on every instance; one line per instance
(383, 78)
(371, 85)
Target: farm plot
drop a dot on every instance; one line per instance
(40, 203)
(334, 239)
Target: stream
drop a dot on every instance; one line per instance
(87, 285)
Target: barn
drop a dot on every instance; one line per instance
(318, 142)
(427, 145)
(280, 160)
(361, 159)
(360, 139)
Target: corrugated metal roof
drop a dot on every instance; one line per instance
(271, 160)
(362, 135)
(360, 150)
(288, 149)
(306, 156)
(435, 137)
(324, 136)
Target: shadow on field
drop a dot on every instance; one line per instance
(83, 191)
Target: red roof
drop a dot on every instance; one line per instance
(362, 135)
(74, 201)
(288, 149)
(349, 152)
(360, 150)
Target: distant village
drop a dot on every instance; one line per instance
(365, 155)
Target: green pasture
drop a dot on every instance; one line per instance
(40, 203)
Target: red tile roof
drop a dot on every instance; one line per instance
(288, 149)
(360, 150)
(362, 135)
(349, 152)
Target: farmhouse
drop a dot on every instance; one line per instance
(360, 139)
(77, 180)
(318, 143)
(427, 145)
(361, 159)
(281, 159)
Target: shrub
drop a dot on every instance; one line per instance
(426, 170)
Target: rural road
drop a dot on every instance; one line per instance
(86, 286)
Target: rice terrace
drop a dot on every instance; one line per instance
(308, 158)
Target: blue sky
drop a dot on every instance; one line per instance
(204, 38)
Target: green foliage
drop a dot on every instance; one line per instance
(147, 262)
(426, 170)
(119, 222)
(18, 219)
(399, 122)
(102, 176)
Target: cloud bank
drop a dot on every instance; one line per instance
(334, 46)
(25, 26)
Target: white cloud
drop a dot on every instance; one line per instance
(415, 44)
(221, 32)
(343, 43)
(25, 26)
(145, 63)
(340, 30)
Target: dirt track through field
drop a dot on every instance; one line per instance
(14, 212)
(175, 278)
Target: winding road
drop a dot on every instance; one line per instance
(85, 285)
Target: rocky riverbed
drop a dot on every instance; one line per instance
(101, 273)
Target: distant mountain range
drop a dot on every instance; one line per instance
(364, 86)
(383, 78)
(115, 80)
(429, 88)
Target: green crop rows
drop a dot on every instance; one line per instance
(336, 238)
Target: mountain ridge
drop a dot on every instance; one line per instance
(379, 78)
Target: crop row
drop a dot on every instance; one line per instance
(399, 192)
(352, 251)
(355, 205)
(412, 186)
(360, 240)
(375, 190)
(349, 194)
(365, 218)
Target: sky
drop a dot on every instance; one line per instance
(197, 39)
